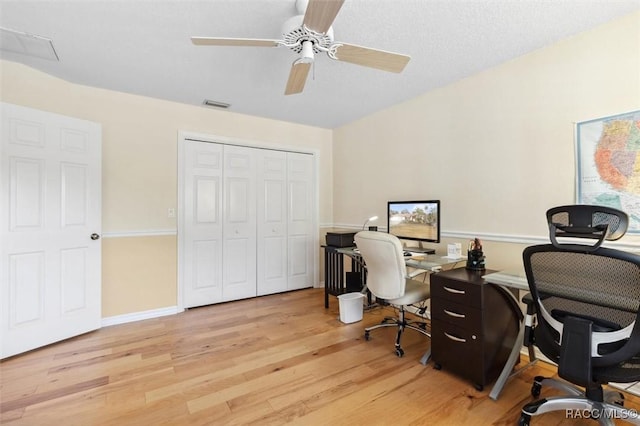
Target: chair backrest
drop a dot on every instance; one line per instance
(601, 286)
(384, 259)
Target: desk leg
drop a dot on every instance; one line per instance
(425, 358)
(327, 278)
(508, 367)
(326, 296)
(511, 362)
(333, 274)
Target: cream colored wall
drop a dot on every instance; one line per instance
(497, 148)
(123, 266)
(139, 165)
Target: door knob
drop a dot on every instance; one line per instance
(95, 236)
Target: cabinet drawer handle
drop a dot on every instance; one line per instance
(453, 290)
(454, 338)
(454, 314)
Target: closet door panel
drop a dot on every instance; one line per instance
(300, 229)
(272, 222)
(239, 230)
(298, 256)
(203, 223)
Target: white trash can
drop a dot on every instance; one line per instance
(351, 307)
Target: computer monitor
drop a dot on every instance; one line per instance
(414, 220)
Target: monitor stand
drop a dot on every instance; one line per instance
(419, 249)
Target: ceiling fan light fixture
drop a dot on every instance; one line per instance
(306, 56)
(215, 104)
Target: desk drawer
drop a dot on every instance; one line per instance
(457, 350)
(456, 291)
(457, 314)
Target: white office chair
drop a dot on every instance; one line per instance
(387, 279)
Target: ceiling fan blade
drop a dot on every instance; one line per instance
(373, 58)
(224, 41)
(297, 77)
(320, 14)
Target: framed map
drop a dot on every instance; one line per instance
(608, 164)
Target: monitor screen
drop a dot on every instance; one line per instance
(414, 220)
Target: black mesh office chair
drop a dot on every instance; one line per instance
(586, 300)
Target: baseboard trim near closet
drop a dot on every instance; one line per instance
(139, 316)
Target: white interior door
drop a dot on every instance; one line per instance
(50, 219)
(272, 221)
(201, 236)
(239, 230)
(301, 223)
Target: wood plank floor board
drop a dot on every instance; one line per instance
(340, 383)
(259, 389)
(272, 360)
(337, 411)
(208, 375)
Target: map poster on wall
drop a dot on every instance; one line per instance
(608, 164)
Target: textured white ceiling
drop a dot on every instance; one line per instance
(144, 47)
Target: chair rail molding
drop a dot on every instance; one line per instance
(140, 233)
(632, 244)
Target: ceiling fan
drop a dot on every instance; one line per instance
(309, 33)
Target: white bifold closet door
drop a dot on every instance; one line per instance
(285, 221)
(202, 223)
(248, 222)
(300, 224)
(272, 221)
(239, 224)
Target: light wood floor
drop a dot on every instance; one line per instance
(270, 360)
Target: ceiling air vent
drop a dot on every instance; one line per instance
(216, 104)
(27, 44)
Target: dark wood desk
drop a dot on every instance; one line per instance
(338, 281)
(474, 325)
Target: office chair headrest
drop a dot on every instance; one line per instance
(586, 221)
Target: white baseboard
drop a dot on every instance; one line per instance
(142, 315)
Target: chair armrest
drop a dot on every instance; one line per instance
(528, 339)
(415, 273)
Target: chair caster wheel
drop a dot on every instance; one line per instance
(524, 420)
(366, 336)
(619, 401)
(437, 366)
(535, 389)
(399, 352)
